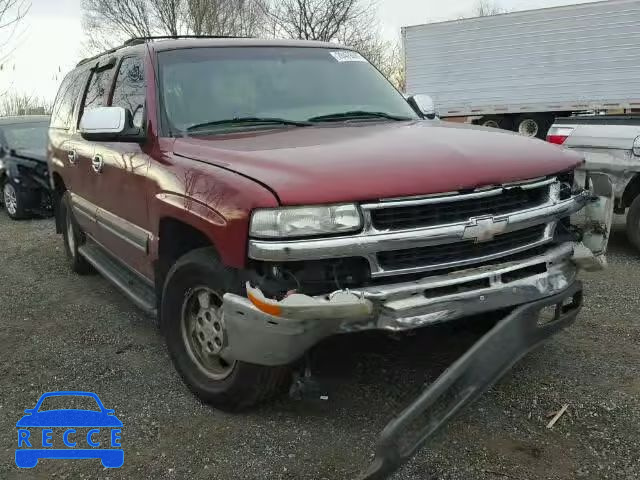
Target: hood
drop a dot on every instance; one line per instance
(35, 155)
(69, 418)
(363, 162)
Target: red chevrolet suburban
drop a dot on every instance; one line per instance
(259, 196)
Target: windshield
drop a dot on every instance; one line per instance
(25, 136)
(207, 85)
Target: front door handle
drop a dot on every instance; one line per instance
(72, 156)
(97, 163)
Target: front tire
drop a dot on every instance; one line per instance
(13, 201)
(73, 237)
(633, 223)
(191, 320)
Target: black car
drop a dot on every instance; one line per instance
(24, 175)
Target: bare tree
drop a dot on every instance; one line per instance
(324, 20)
(169, 15)
(487, 8)
(391, 64)
(11, 14)
(108, 23)
(14, 103)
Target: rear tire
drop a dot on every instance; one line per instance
(194, 331)
(633, 223)
(73, 238)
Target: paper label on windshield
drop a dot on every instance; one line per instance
(347, 56)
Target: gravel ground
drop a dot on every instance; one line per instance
(59, 331)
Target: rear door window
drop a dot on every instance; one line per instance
(130, 89)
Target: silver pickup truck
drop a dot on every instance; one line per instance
(610, 145)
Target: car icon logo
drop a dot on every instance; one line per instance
(69, 433)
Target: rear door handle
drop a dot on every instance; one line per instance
(72, 156)
(97, 163)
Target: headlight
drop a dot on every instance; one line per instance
(305, 221)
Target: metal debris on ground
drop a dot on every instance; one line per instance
(558, 415)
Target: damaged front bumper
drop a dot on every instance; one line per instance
(270, 332)
(298, 322)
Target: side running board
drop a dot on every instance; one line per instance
(135, 288)
(468, 377)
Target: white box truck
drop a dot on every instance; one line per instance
(520, 70)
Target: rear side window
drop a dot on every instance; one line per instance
(129, 91)
(70, 90)
(98, 87)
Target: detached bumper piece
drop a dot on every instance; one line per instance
(477, 370)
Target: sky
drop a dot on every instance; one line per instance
(49, 41)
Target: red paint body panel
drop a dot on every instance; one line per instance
(331, 164)
(213, 200)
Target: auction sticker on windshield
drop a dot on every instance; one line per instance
(69, 425)
(347, 56)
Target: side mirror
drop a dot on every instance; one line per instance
(29, 411)
(423, 104)
(109, 124)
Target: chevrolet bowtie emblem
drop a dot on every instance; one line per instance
(484, 229)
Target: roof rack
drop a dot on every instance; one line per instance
(142, 40)
(139, 40)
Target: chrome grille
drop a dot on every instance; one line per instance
(471, 230)
(458, 208)
(460, 251)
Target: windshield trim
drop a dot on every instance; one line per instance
(166, 129)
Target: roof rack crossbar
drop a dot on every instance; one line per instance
(141, 40)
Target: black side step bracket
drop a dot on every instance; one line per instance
(135, 288)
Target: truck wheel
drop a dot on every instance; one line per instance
(532, 126)
(73, 238)
(13, 201)
(491, 122)
(633, 223)
(192, 322)
(496, 121)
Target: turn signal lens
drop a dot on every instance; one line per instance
(559, 135)
(263, 306)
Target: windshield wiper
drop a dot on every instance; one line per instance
(355, 115)
(251, 121)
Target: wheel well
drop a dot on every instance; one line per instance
(631, 192)
(176, 238)
(58, 191)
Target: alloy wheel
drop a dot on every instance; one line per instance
(10, 198)
(203, 332)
